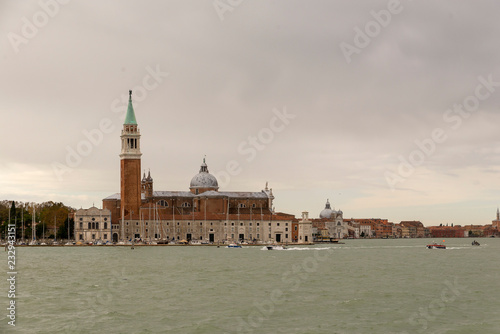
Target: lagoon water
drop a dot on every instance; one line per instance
(363, 286)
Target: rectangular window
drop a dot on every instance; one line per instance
(81, 236)
(105, 236)
(93, 236)
(286, 236)
(258, 236)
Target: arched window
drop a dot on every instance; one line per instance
(90, 226)
(241, 205)
(105, 225)
(186, 205)
(97, 226)
(162, 203)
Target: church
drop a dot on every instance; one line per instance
(201, 214)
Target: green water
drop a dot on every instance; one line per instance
(364, 286)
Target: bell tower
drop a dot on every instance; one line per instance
(130, 164)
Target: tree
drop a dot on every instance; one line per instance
(40, 228)
(62, 233)
(12, 212)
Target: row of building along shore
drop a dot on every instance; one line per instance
(205, 214)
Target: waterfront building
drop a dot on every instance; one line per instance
(365, 230)
(92, 225)
(305, 228)
(332, 221)
(202, 213)
(456, 231)
(412, 229)
(372, 227)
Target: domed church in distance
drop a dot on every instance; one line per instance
(331, 224)
(203, 213)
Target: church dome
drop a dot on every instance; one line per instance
(204, 179)
(327, 211)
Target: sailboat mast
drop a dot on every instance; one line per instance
(33, 224)
(22, 222)
(68, 227)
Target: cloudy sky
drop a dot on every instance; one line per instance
(388, 109)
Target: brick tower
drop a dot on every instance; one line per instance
(130, 164)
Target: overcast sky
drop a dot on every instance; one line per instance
(355, 86)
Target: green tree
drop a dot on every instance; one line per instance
(62, 232)
(40, 229)
(12, 215)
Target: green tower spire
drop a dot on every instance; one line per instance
(130, 118)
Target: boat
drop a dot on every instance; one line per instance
(436, 246)
(234, 246)
(475, 243)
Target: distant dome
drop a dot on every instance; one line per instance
(204, 179)
(327, 211)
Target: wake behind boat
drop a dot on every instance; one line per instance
(275, 247)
